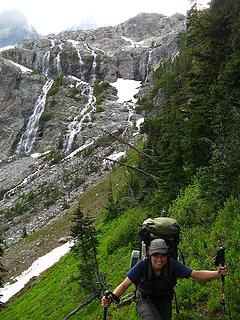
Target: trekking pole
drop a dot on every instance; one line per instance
(220, 260)
(107, 293)
(114, 299)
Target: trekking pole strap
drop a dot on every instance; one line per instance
(176, 303)
(115, 299)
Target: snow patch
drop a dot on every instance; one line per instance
(22, 68)
(6, 48)
(38, 155)
(133, 43)
(86, 145)
(127, 89)
(117, 155)
(40, 265)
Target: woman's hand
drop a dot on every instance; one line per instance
(223, 271)
(106, 301)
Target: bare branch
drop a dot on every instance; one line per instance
(129, 166)
(85, 303)
(129, 144)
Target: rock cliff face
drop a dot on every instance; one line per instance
(55, 99)
(130, 50)
(14, 28)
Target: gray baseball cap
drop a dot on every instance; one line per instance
(158, 246)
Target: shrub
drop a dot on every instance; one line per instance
(191, 209)
(46, 116)
(54, 157)
(55, 87)
(127, 233)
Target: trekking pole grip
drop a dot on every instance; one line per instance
(106, 295)
(220, 260)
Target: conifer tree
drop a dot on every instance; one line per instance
(85, 249)
(196, 129)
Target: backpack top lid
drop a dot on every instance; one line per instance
(163, 228)
(167, 228)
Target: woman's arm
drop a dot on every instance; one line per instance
(209, 275)
(122, 287)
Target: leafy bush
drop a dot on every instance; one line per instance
(191, 209)
(45, 116)
(101, 90)
(55, 87)
(126, 231)
(54, 156)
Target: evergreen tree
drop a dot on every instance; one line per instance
(85, 249)
(196, 130)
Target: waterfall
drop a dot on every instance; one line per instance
(81, 63)
(149, 61)
(94, 65)
(131, 111)
(46, 59)
(84, 117)
(57, 60)
(57, 63)
(45, 63)
(29, 136)
(93, 69)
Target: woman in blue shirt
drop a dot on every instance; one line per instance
(155, 278)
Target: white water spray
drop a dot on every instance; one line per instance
(29, 136)
(149, 62)
(81, 63)
(85, 116)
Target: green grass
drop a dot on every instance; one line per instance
(55, 293)
(44, 296)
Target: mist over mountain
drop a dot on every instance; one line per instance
(14, 28)
(85, 24)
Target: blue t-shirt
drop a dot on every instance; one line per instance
(179, 270)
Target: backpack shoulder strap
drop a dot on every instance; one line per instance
(147, 269)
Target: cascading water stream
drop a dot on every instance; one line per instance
(29, 136)
(93, 69)
(148, 66)
(84, 117)
(45, 63)
(94, 65)
(57, 63)
(81, 63)
(57, 60)
(46, 59)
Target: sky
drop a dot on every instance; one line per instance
(51, 16)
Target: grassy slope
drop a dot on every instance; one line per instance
(55, 294)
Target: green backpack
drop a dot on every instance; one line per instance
(161, 227)
(154, 228)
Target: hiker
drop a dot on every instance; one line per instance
(154, 285)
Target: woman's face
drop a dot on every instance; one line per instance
(158, 261)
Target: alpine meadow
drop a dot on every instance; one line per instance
(184, 164)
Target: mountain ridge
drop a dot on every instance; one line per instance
(76, 110)
(14, 28)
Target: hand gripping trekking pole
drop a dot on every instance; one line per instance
(114, 299)
(220, 260)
